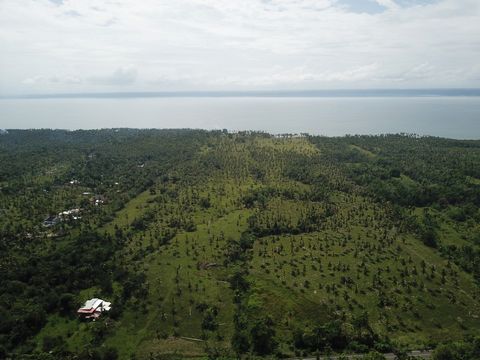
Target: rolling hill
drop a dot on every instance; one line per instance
(218, 244)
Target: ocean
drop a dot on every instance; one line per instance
(444, 116)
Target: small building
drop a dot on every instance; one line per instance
(98, 200)
(69, 214)
(93, 308)
(50, 221)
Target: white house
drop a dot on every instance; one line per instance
(93, 308)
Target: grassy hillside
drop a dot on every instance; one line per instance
(216, 244)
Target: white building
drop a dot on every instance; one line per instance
(93, 308)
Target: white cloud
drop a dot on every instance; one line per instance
(45, 80)
(283, 76)
(126, 75)
(223, 44)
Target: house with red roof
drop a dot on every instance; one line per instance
(93, 308)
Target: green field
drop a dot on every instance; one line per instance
(226, 245)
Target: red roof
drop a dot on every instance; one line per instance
(86, 311)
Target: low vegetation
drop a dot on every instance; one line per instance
(221, 245)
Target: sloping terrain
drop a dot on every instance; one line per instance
(227, 244)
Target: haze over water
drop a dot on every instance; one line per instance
(444, 116)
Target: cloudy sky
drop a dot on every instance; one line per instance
(57, 46)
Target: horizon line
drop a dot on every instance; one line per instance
(374, 92)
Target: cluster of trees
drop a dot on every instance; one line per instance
(253, 333)
(467, 257)
(42, 272)
(438, 169)
(301, 219)
(417, 172)
(322, 216)
(338, 335)
(458, 350)
(37, 284)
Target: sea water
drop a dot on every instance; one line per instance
(445, 116)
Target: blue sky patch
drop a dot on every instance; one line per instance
(373, 7)
(362, 6)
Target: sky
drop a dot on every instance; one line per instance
(73, 46)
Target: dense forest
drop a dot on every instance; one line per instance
(212, 244)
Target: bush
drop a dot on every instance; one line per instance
(263, 336)
(67, 303)
(462, 350)
(53, 343)
(429, 238)
(110, 354)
